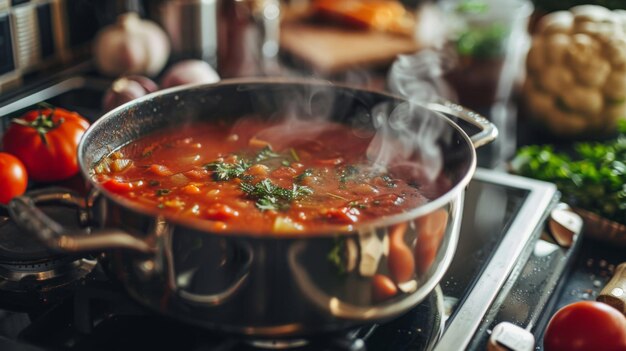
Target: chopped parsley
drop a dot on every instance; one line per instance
(306, 173)
(356, 204)
(335, 255)
(348, 173)
(162, 192)
(266, 153)
(592, 176)
(270, 196)
(154, 183)
(388, 181)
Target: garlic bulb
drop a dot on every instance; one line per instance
(131, 46)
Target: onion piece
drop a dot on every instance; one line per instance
(120, 164)
(126, 89)
(103, 166)
(179, 179)
(189, 72)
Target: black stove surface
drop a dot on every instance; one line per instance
(100, 316)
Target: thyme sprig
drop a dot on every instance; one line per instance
(266, 153)
(227, 171)
(271, 197)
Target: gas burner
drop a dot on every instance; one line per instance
(31, 286)
(45, 270)
(30, 274)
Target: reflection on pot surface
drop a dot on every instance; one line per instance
(371, 269)
(278, 286)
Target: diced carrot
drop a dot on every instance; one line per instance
(431, 229)
(160, 170)
(383, 288)
(342, 215)
(219, 225)
(191, 189)
(197, 174)
(221, 212)
(258, 143)
(401, 262)
(258, 170)
(284, 172)
(118, 186)
(330, 162)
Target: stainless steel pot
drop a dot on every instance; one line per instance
(272, 285)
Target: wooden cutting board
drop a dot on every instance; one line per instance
(332, 50)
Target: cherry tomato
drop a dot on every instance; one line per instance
(46, 141)
(586, 326)
(13, 177)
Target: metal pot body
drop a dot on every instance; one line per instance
(271, 285)
(282, 287)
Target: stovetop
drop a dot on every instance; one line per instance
(504, 269)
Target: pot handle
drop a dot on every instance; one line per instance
(24, 211)
(488, 131)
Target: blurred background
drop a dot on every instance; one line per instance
(470, 51)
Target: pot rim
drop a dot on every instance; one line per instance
(201, 224)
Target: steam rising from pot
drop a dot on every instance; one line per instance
(406, 138)
(410, 132)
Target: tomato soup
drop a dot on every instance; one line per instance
(258, 177)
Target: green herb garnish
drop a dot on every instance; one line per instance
(266, 153)
(162, 192)
(154, 183)
(270, 196)
(356, 204)
(388, 181)
(227, 171)
(593, 178)
(335, 255)
(348, 173)
(306, 173)
(294, 155)
(337, 196)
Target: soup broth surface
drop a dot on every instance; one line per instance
(258, 177)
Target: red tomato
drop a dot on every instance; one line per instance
(46, 141)
(13, 178)
(586, 326)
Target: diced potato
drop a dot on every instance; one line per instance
(286, 225)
